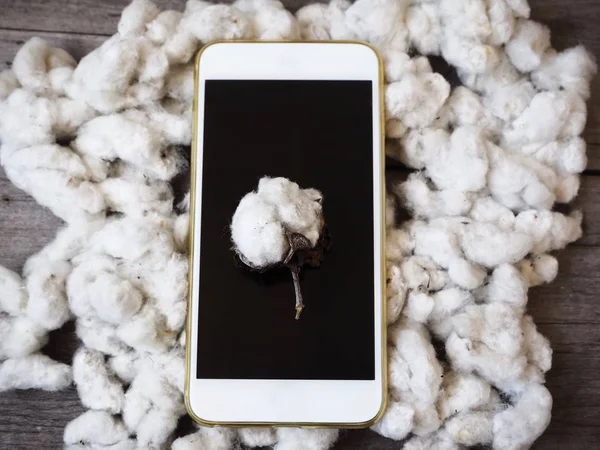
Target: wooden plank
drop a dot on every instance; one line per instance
(83, 16)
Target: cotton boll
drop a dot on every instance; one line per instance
(95, 428)
(520, 7)
(518, 182)
(99, 335)
(571, 69)
(136, 16)
(412, 341)
(528, 44)
(125, 366)
(103, 76)
(8, 84)
(399, 243)
(13, 296)
(70, 115)
(217, 22)
(427, 203)
(418, 306)
(147, 331)
(96, 289)
(506, 285)
(519, 426)
(419, 147)
(424, 27)
(549, 230)
(270, 19)
(439, 440)
(487, 210)
(35, 371)
(397, 421)
(567, 155)
(422, 272)
(502, 22)
(19, 337)
(34, 60)
(26, 120)
(127, 137)
(467, 18)
(180, 82)
(163, 26)
(182, 45)
(471, 428)
(217, 438)
(465, 107)
(486, 244)
(549, 115)
(396, 293)
(465, 274)
(462, 392)
(257, 437)
(509, 101)
(468, 355)
(504, 74)
(263, 217)
(303, 439)
(538, 350)
(379, 22)
(467, 149)
(96, 388)
(436, 242)
(469, 55)
(47, 303)
(416, 99)
(397, 64)
(447, 302)
(314, 22)
(155, 428)
(539, 269)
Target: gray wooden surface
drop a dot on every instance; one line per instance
(567, 311)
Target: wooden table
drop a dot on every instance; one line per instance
(566, 311)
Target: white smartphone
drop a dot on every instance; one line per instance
(310, 112)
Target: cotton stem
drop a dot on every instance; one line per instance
(296, 277)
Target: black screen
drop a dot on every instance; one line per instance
(320, 135)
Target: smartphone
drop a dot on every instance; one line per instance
(312, 113)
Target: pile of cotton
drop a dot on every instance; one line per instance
(98, 142)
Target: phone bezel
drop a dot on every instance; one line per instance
(303, 403)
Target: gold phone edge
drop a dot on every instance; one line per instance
(384, 371)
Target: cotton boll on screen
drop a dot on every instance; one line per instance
(280, 224)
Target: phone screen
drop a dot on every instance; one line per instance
(318, 134)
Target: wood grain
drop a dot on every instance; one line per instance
(566, 311)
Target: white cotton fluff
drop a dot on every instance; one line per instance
(34, 371)
(379, 22)
(396, 293)
(218, 438)
(45, 282)
(262, 218)
(462, 392)
(257, 437)
(270, 20)
(35, 62)
(487, 210)
(571, 69)
(136, 16)
(540, 269)
(466, 148)
(99, 335)
(13, 296)
(216, 22)
(95, 428)
(424, 27)
(397, 421)
(302, 439)
(96, 387)
(416, 99)
(8, 84)
(469, 55)
(550, 230)
(471, 428)
(96, 290)
(528, 44)
(519, 426)
(20, 336)
(465, 274)
(506, 285)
